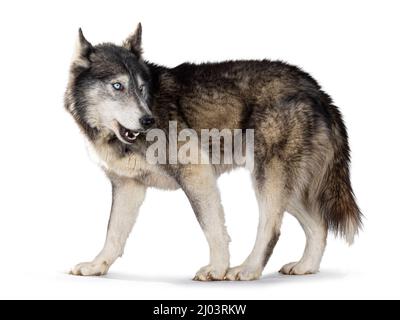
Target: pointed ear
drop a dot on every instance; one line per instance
(82, 51)
(134, 42)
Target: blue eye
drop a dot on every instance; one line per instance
(118, 86)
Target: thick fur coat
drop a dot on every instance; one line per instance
(301, 151)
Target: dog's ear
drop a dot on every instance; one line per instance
(82, 51)
(134, 42)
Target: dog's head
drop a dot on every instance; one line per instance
(109, 88)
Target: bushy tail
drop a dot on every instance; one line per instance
(335, 197)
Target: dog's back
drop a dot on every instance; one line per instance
(294, 121)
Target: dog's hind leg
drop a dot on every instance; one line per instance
(315, 230)
(271, 197)
(128, 195)
(200, 185)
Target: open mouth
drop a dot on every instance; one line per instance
(129, 136)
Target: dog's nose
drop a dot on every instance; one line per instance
(147, 121)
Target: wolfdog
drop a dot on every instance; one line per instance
(300, 153)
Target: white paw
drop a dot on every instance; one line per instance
(210, 273)
(244, 273)
(298, 268)
(90, 269)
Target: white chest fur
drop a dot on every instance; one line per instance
(131, 166)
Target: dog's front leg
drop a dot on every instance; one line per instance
(128, 195)
(200, 185)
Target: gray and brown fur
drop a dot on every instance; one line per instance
(301, 150)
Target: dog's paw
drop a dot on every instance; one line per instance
(298, 268)
(210, 273)
(243, 273)
(90, 269)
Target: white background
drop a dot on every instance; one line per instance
(55, 202)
